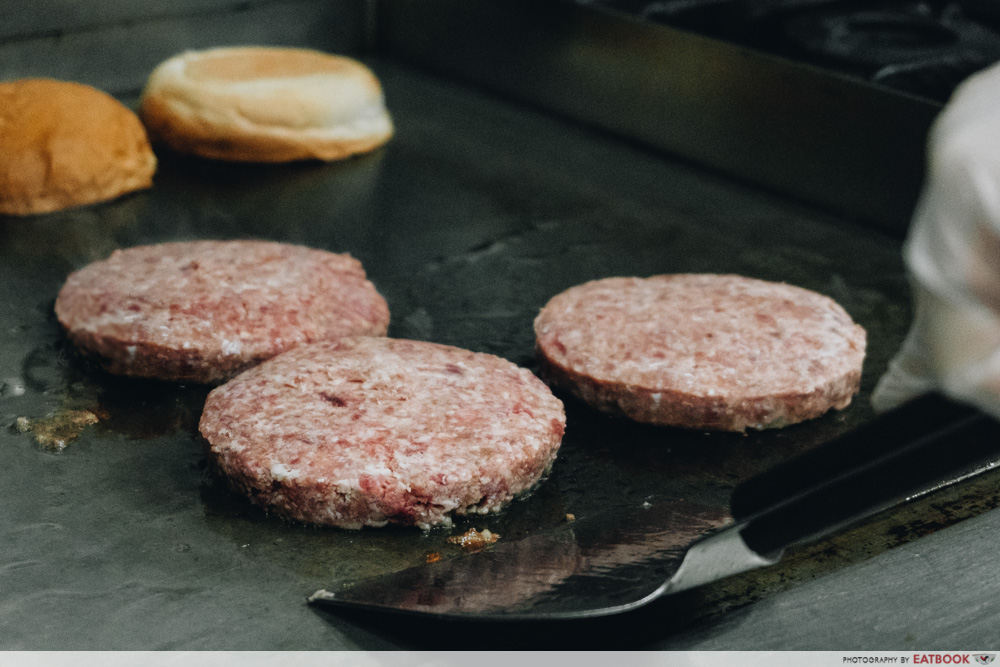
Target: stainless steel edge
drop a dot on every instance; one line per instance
(830, 140)
(716, 557)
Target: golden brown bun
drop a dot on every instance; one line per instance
(66, 144)
(265, 104)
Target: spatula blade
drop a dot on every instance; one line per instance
(601, 565)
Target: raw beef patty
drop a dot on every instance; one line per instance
(203, 311)
(367, 431)
(703, 351)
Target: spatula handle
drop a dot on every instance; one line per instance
(923, 444)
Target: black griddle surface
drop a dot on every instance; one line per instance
(474, 215)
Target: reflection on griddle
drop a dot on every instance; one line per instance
(604, 562)
(335, 554)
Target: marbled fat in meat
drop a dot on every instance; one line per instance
(367, 431)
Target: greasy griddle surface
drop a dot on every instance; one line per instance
(474, 215)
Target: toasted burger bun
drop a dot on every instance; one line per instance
(65, 144)
(265, 104)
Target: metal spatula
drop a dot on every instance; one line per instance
(607, 564)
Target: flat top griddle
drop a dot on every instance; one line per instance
(475, 214)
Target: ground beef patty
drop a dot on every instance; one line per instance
(716, 352)
(203, 311)
(367, 431)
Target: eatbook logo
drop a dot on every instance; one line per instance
(985, 658)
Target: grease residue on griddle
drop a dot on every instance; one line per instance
(58, 429)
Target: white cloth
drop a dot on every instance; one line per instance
(953, 257)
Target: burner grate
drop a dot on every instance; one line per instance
(920, 47)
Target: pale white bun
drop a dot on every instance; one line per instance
(65, 144)
(265, 104)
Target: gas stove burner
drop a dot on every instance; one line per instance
(871, 39)
(875, 41)
(909, 47)
(924, 47)
(936, 78)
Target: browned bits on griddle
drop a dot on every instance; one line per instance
(474, 540)
(55, 431)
